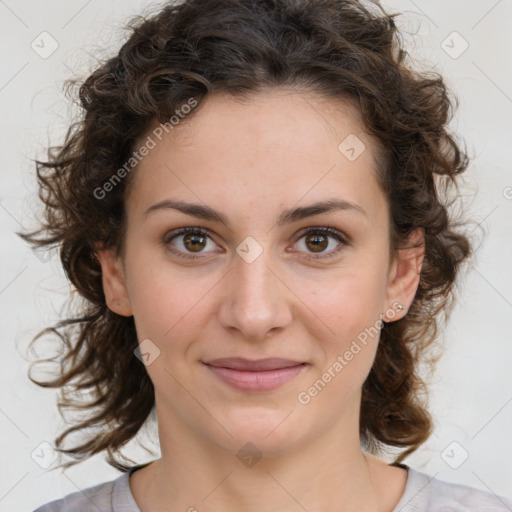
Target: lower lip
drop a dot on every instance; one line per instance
(256, 381)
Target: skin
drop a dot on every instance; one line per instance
(252, 160)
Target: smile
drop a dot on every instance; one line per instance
(245, 376)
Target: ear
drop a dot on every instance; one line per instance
(114, 286)
(404, 276)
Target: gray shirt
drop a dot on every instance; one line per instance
(423, 493)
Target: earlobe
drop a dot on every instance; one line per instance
(114, 287)
(405, 276)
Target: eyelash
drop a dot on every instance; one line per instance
(168, 237)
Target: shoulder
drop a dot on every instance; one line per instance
(98, 497)
(425, 493)
(466, 498)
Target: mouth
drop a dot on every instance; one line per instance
(255, 375)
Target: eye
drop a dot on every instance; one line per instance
(192, 242)
(317, 241)
(188, 241)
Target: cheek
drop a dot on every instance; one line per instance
(348, 303)
(166, 302)
(347, 326)
(348, 347)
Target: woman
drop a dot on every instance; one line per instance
(250, 207)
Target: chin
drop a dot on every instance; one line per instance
(265, 431)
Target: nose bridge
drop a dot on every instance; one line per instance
(257, 301)
(254, 279)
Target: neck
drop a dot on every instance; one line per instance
(329, 473)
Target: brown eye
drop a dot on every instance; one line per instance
(319, 240)
(189, 241)
(317, 243)
(194, 242)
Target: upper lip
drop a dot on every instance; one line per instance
(254, 365)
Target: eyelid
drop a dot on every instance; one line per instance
(327, 228)
(169, 235)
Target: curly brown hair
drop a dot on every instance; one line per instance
(342, 49)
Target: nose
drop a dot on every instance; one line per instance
(256, 301)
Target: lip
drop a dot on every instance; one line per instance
(254, 365)
(255, 375)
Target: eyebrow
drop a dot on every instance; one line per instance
(288, 216)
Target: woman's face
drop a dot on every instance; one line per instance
(265, 281)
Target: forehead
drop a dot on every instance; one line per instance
(276, 146)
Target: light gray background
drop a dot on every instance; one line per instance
(471, 392)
